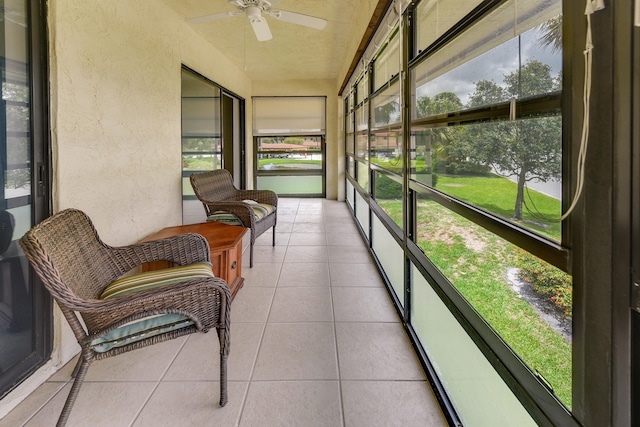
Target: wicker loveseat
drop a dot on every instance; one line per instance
(123, 313)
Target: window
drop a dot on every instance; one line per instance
(201, 128)
(289, 137)
(478, 180)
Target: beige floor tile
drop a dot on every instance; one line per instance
(284, 225)
(308, 227)
(199, 359)
(349, 254)
(262, 274)
(192, 403)
(99, 404)
(360, 304)
(336, 238)
(266, 238)
(297, 351)
(32, 404)
(293, 404)
(308, 304)
(376, 351)
(304, 274)
(308, 239)
(251, 304)
(390, 403)
(266, 253)
(145, 364)
(314, 217)
(306, 254)
(355, 274)
(344, 228)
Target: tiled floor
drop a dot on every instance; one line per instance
(314, 342)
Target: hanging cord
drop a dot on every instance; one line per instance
(592, 6)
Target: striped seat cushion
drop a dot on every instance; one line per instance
(260, 210)
(153, 325)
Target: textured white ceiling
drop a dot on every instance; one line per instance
(295, 52)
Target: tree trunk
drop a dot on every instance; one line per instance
(517, 211)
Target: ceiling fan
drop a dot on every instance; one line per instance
(254, 9)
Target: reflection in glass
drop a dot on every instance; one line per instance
(527, 301)
(511, 169)
(17, 328)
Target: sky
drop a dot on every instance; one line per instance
(492, 65)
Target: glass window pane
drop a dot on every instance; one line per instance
(386, 150)
(386, 106)
(513, 61)
(527, 302)
(435, 17)
(470, 380)
(511, 169)
(350, 194)
(388, 195)
(362, 214)
(362, 88)
(362, 117)
(390, 255)
(362, 145)
(201, 162)
(387, 64)
(363, 175)
(422, 148)
(292, 185)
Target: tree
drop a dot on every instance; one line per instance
(528, 148)
(437, 140)
(552, 33)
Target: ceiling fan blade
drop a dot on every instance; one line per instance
(261, 28)
(298, 18)
(213, 17)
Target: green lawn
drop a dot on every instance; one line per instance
(498, 195)
(476, 262)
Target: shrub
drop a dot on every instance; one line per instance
(546, 280)
(386, 188)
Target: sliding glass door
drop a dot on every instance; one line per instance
(25, 309)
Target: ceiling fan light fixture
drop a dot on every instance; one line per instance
(254, 13)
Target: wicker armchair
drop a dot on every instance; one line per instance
(77, 268)
(223, 202)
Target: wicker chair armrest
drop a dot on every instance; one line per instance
(240, 209)
(192, 298)
(261, 196)
(182, 249)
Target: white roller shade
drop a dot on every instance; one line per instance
(289, 116)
